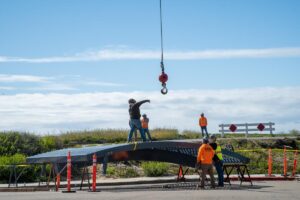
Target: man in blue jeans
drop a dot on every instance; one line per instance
(135, 115)
(218, 159)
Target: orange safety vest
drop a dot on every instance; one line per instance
(205, 154)
(202, 121)
(145, 123)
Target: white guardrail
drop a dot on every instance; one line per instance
(246, 128)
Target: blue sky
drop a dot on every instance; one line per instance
(77, 47)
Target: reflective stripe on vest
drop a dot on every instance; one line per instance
(218, 152)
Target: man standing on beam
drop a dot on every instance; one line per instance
(135, 115)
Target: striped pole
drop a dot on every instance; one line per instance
(284, 162)
(295, 162)
(270, 163)
(94, 173)
(69, 171)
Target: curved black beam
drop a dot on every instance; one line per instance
(179, 152)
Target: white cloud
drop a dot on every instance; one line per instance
(128, 54)
(8, 78)
(55, 83)
(105, 84)
(46, 113)
(51, 87)
(7, 88)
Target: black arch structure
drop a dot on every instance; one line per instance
(172, 151)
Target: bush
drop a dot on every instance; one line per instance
(154, 169)
(122, 171)
(128, 172)
(15, 142)
(50, 142)
(110, 171)
(29, 173)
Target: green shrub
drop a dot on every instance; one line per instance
(153, 169)
(50, 142)
(15, 142)
(120, 171)
(29, 173)
(127, 172)
(111, 171)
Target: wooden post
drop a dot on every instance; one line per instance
(104, 165)
(246, 126)
(271, 131)
(222, 129)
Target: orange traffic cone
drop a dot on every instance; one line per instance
(180, 176)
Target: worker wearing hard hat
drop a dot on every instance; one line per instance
(203, 124)
(205, 160)
(145, 126)
(217, 159)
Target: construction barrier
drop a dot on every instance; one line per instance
(284, 161)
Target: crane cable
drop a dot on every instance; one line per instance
(163, 78)
(161, 36)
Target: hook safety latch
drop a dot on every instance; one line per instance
(164, 90)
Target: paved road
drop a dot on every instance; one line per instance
(261, 190)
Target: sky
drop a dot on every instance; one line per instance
(73, 65)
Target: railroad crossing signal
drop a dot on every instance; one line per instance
(232, 127)
(261, 127)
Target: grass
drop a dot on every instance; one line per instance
(101, 136)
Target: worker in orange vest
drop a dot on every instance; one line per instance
(203, 124)
(145, 126)
(205, 161)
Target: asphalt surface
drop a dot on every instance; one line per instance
(261, 190)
